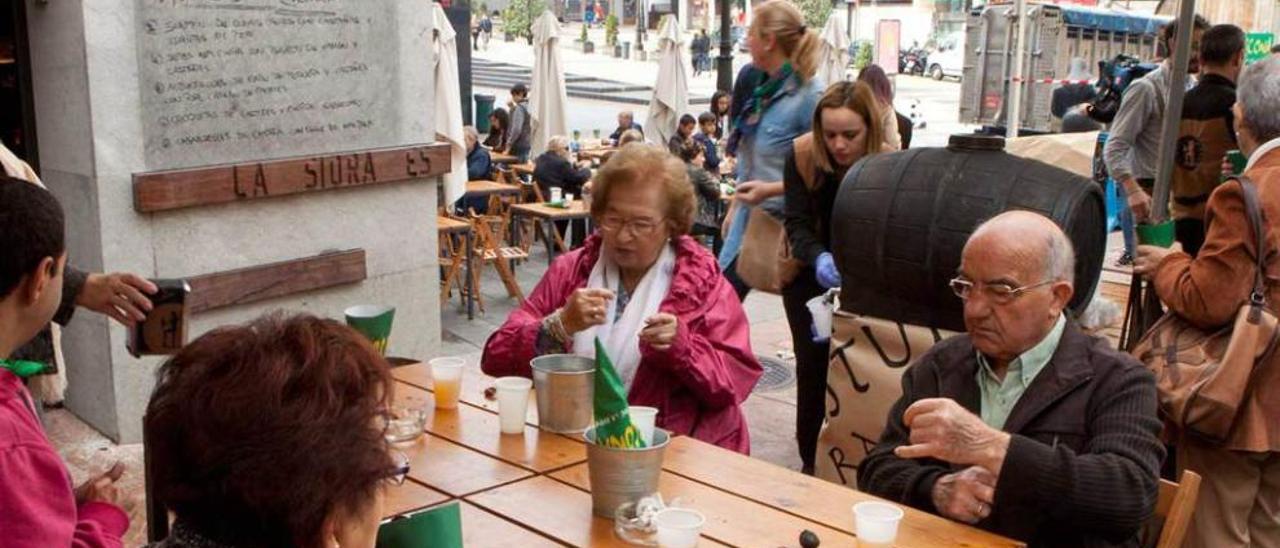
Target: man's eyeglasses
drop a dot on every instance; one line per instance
(999, 293)
(640, 228)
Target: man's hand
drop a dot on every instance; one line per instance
(660, 331)
(102, 488)
(943, 430)
(966, 495)
(1139, 201)
(122, 296)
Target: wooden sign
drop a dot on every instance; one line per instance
(258, 283)
(165, 190)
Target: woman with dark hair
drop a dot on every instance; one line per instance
(271, 434)
(875, 77)
(720, 102)
(499, 121)
(846, 128)
(779, 108)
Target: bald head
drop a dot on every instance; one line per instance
(1032, 238)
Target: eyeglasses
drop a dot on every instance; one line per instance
(640, 228)
(999, 293)
(397, 475)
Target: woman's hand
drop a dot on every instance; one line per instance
(1148, 258)
(751, 192)
(660, 331)
(586, 308)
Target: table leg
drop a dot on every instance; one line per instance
(471, 281)
(549, 236)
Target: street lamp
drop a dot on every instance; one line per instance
(724, 63)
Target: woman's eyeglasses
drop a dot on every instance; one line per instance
(640, 228)
(999, 293)
(401, 470)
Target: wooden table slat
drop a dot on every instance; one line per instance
(479, 429)
(554, 509)
(731, 519)
(576, 210)
(456, 470)
(811, 498)
(410, 496)
(484, 529)
(484, 188)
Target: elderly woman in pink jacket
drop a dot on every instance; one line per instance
(654, 297)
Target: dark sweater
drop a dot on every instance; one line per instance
(808, 218)
(1082, 467)
(479, 164)
(552, 170)
(617, 133)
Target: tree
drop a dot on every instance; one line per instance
(611, 30)
(815, 12)
(517, 19)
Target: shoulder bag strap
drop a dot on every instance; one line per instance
(1254, 210)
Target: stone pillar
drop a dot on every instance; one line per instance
(96, 117)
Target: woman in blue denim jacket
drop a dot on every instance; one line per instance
(779, 109)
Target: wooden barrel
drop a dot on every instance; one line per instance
(901, 221)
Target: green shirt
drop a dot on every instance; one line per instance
(998, 398)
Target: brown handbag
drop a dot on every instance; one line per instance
(1204, 377)
(765, 262)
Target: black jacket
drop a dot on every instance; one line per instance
(551, 169)
(617, 133)
(808, 218)
(1082, 467)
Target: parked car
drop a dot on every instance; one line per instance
(947, 60)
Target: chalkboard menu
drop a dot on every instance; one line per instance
(227, 81)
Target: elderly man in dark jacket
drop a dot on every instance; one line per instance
(1024, 426)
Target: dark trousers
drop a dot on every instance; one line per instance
(740, 287)
(579, 232)
(811, 364)
(1190, 233)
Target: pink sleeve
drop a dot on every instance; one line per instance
(38, 507)
(509, 349)
(712, 353)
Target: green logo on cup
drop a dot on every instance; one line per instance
(374, 322)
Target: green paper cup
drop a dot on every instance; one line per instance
(373, 321)
(1159, 235)
(1238, 161)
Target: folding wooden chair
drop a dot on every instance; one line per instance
(452, 257)
(489, 250)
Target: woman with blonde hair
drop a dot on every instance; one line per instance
(779, 109)
(846, 128)
(652, 296)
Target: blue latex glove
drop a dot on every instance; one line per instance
(827, 274)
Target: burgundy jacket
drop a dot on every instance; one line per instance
(698, 384)
(37, 506)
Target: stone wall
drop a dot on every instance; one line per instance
(90, 119)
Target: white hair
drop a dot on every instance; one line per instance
(1259, 97)
(1060, 264)
(558, 144)
(471, 133)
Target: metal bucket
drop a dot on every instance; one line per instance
(564, 386)
(619, 476)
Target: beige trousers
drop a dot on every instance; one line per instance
(1239, 502)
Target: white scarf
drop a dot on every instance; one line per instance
(621, 337)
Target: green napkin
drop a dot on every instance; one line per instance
(435, 528)
(21, 368)
(613, 418)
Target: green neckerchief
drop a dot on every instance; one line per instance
(22, 368)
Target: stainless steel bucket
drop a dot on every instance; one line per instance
(619, 476)
(564, 386)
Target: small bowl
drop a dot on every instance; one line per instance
(405, 424)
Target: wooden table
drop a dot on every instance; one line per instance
(523, 170)
(451, 226)
(534, 490)
(598, 154)
(487, 188)
(544, 216)
(502, 158)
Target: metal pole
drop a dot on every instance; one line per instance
(1015, 77)
(1173, 111)
(724, 63)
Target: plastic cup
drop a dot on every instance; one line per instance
(644, 419)
(876, 523)
(373, 321)
(556, 194)
(821, 310)
(568, 198)
(1161, 235)
(678, 527)
(513, 403)
(446, 381)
